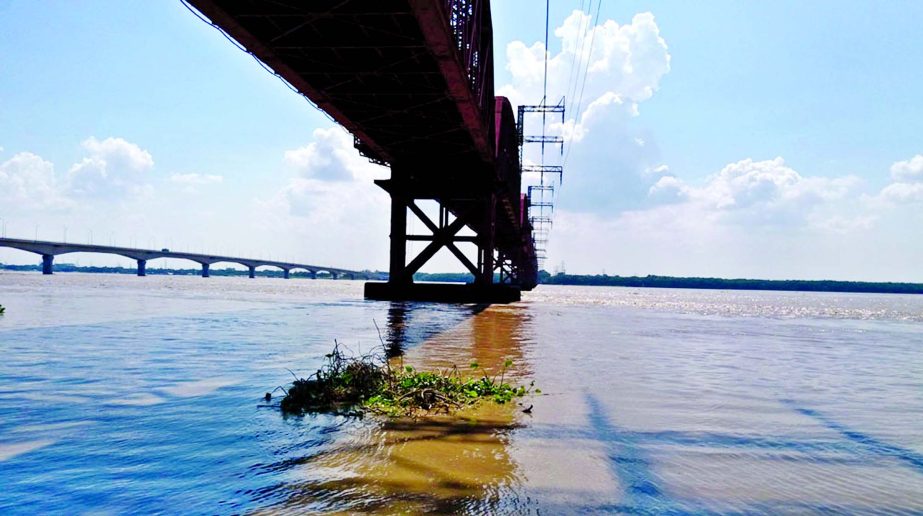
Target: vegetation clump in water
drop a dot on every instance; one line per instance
(2, 310)
(368, 383)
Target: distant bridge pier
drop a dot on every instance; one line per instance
(47, 263)
(285, 273)
(49, 249)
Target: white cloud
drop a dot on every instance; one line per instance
(907, 185)
(332, 203)
(331, 157)
(624, 66)
(910, 170)
(114, 168)
(658, 170)
(902, 193)
(769, 190)
(752, 218)
(119, 153)
(28, 182)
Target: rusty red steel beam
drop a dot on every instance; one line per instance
(229, 24)
(441, 40)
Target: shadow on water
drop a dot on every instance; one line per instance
(644, 492)
(410, 323)
(866, 442)
(629, 463)
(444, 464)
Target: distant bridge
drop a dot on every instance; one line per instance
(48, 250)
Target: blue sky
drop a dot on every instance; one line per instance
(761, 139)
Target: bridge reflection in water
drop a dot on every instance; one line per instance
(437, 464)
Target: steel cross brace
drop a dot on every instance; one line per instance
(443, 236)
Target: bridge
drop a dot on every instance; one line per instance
(48, 250)
(412, 80)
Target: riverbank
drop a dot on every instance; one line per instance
(603, 280)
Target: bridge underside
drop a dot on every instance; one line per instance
(412, 80)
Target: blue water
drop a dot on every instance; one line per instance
(126, 399)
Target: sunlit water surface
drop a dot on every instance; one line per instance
(136, 395)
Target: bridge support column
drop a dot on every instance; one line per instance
(313, 274)
(285, 273)
(142, 267)
(252, 271)
(487, 244)
(398, 263)
(334, 275)
(476, 210)
(47, 263)
(205, 268)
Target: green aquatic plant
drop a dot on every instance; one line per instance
(368, 383)
(2, 310)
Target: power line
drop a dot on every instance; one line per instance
(545, 87)
(577, 61)
(585, 70)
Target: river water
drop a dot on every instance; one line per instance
(121, 394)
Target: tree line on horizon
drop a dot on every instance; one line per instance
(652, 281)
(546, 278)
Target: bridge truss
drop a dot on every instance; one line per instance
(412, 80)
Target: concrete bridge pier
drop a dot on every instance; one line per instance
(205, 270)
(142, 267)
(335, 275)
(313, 274)
(285, 273)
(252, 270)
(47, 263)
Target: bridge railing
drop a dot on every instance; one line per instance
(473, 30)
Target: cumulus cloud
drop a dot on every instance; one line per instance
(113, 168)
(332, 202)
(28, 182)
(907, 185)
(624, 65)
(899, 193)
(758, 192)
(331, 157)
(605, 71)
(908, 171)
(748, 183)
